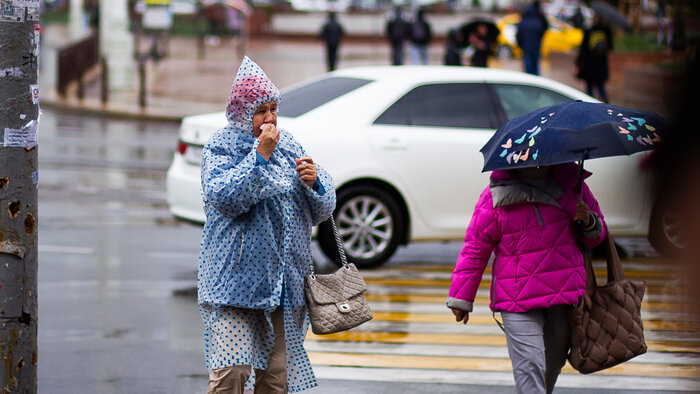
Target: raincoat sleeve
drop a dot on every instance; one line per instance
(594, 235)
(232, 182)
(482, 236)
(322, 200)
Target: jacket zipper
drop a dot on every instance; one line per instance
(539, 215)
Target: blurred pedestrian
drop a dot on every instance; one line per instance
(262, 195)
(678, 38)
(481, 46)
(397, 31)
(421, 35)
(526, 217)
(577, 20)
(530, 31)
(662, 25)
(453, 50)
(332, 32)
(216, 19)
(592, 60)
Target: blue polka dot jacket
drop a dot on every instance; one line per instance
(257, 235)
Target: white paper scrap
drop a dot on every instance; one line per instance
(34, 90)
(26, 137)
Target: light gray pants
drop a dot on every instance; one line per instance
(538, 341)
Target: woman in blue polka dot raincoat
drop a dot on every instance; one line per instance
(262, 194)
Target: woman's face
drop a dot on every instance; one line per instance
(266, 113)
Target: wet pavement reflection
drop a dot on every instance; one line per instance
(118, 308)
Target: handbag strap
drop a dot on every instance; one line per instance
(614, 266)
(341, 250)
(615, 271)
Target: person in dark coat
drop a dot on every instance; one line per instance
(592, 59)
(530, 31)
(453, 52)
(397, 30)
(421, 34)
(482, 46)
(332, 33)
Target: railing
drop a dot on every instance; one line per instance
(75, 60)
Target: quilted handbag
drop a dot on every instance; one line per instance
(606, 324)
(337, 301)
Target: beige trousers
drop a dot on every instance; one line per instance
(273, 380)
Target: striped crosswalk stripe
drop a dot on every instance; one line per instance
(413, 331)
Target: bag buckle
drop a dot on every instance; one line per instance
(344, 307)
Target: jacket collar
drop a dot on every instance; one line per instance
(508, 189)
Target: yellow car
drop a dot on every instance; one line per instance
(560, 36)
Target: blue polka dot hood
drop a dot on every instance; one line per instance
(250, 89)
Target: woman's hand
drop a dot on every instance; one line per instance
(460, 315)
(307, 170)
(583, 213)
(269, 137)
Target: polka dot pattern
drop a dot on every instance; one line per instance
(255, 248)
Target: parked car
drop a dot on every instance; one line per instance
(560, 36)
(402, 144)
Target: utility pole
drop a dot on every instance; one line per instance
(19, 121)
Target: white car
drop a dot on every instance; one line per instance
(402, 144)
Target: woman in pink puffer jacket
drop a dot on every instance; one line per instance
(526, 218)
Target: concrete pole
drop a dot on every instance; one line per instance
(19, 118)
(117, 44)
(77, 20)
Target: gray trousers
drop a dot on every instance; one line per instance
(538, 341)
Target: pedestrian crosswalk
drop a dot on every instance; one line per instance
(414, 338)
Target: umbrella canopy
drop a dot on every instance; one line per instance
(569, 132)
(470, 27)
(612, 16)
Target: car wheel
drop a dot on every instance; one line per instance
(504, 52)
(666, 230)
(370, 225)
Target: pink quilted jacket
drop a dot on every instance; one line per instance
(531, 233)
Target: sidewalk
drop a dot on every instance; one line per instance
(182, 84)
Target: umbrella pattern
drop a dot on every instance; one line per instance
(635, 129)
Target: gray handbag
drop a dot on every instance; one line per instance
(336, 301)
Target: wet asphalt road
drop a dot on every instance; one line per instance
(116, 272)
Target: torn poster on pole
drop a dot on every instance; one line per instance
(26, 137)
(17, 10)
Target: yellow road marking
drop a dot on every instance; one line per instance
(440, 299)
(483, 364)
(468, 339)
(447, 317)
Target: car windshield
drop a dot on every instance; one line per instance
(303, 99)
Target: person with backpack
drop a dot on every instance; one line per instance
(397, 30)
(592, 60)
(421, 35)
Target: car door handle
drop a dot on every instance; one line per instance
(393, 144)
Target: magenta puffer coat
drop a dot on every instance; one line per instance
(532, 234)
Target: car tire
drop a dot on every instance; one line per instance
(504, 52)
(666, 230)
(370, 223)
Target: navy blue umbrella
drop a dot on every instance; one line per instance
(571, 132)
